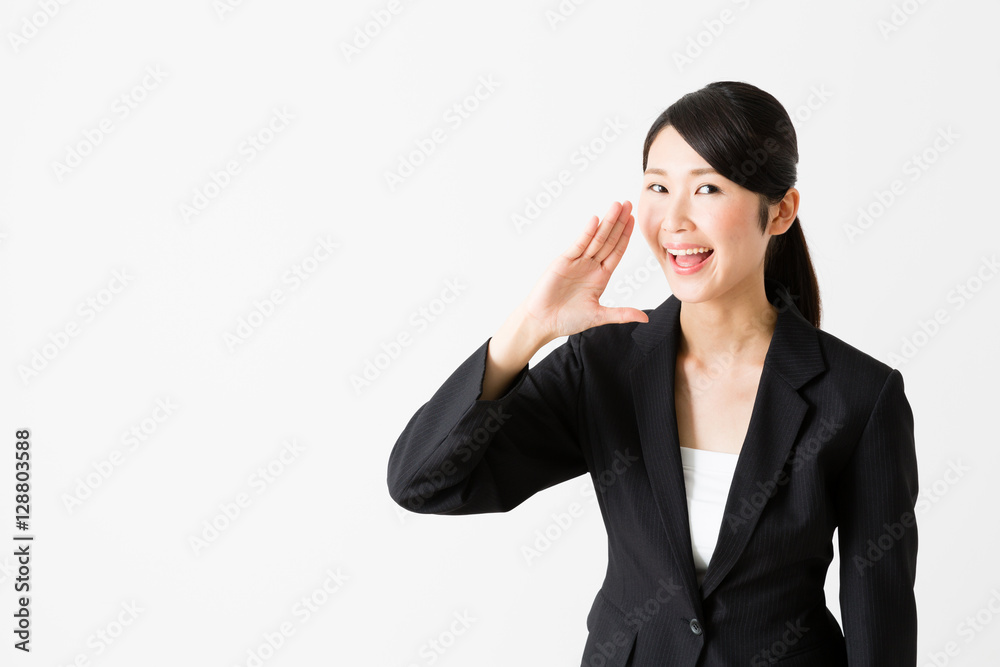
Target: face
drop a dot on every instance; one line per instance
(686, 204)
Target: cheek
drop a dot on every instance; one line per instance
(648, 217)
(648, 230)
(736, 227)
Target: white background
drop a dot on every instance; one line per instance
(865, 102)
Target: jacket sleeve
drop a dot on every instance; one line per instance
(878, 536)
(462, 455)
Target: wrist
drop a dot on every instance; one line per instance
(517, 341)
(526, 330)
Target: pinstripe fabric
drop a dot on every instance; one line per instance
(829, 444)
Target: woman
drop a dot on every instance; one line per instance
(726, 434)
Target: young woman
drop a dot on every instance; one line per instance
(726, 434)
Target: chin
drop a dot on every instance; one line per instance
(686, 290)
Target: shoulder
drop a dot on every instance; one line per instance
(855, 379)
(851, 364)
(607, 333)
(608, 347)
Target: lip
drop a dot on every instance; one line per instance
(687, 270)
(685, 246)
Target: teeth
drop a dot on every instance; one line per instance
(689, 251)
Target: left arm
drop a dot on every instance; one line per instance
(878, 536)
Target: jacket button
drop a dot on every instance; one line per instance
(695, 626)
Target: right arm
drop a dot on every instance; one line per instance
(462, 454)
(496, 432)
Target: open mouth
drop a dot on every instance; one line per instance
(690, 258)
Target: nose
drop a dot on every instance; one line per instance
(675, 214)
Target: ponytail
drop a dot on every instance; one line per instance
(787, 261)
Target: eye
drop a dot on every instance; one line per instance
(663, 190)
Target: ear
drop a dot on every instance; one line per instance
(783, 213)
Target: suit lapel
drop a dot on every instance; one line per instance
(793, 357)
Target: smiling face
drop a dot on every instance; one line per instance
(685, 204)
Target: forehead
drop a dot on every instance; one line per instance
(669, 152)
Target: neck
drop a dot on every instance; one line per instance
(737, 326)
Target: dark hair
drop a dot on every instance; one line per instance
(747, 136)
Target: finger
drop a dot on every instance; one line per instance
(620, 316)
(604, 230)
(612, 241)
(615, 256)
(581, 243)
(631, 315)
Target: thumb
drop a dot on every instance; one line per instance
(622, 315)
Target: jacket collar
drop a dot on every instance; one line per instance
(794, 352)
(793, 358)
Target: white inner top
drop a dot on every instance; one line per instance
(707, 478)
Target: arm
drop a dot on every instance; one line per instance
(496, 432)
(460, 454)
(878, 536)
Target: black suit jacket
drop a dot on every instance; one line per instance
(829, 445)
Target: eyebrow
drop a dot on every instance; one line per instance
(693, 172)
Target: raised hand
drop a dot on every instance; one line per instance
(564, 301)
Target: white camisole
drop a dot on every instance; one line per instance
(707, 478)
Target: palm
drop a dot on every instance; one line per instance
(566, 298)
